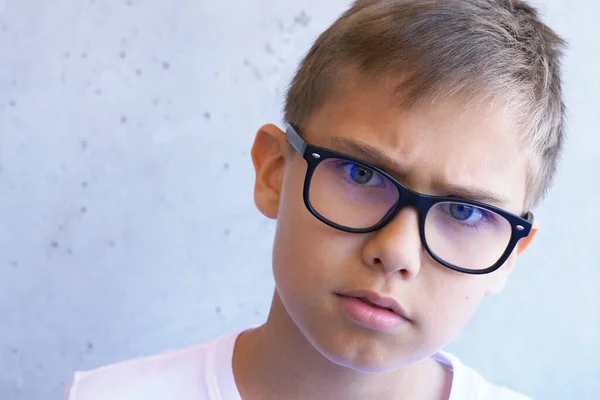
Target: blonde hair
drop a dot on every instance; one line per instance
(495, 49)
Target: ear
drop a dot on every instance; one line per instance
(526, 241)
(269, 153)
(500, 276)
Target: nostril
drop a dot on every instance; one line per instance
(405, 273)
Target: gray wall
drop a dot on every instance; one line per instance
(126, 217)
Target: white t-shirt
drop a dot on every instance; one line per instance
(204, 372)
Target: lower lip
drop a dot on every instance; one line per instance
(370, 316)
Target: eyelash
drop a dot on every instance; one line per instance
(486, 219)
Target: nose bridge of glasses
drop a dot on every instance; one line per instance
(410, 198)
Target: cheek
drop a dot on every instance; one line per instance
(298, 248)
(309, 254)
(452, 300)
(305, 249)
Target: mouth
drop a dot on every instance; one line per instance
(375, 305)
(373, 310)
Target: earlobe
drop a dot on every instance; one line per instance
(268, 156)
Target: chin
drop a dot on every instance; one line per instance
(360, 356)
(366, 365)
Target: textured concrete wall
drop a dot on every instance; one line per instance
(126, 217)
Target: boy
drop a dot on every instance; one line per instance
(419, 135)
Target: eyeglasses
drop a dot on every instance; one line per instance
(354, 196)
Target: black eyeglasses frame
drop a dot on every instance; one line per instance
(520, 225)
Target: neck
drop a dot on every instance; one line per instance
(276, 361)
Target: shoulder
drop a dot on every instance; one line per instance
(468, 384)
(174, 374)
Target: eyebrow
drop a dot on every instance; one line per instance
(374, 156)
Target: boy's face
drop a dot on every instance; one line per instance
(442, 145)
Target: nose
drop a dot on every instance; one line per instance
(397, 247)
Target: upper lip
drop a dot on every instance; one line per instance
(379, 300)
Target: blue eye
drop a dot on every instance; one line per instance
(362, 175)
(465, 213)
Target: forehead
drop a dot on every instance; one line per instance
(448, 141)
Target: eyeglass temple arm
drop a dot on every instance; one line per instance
(294, 139)
(529, 217)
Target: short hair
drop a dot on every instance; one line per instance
(484, 49)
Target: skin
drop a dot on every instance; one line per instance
(308, 348)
